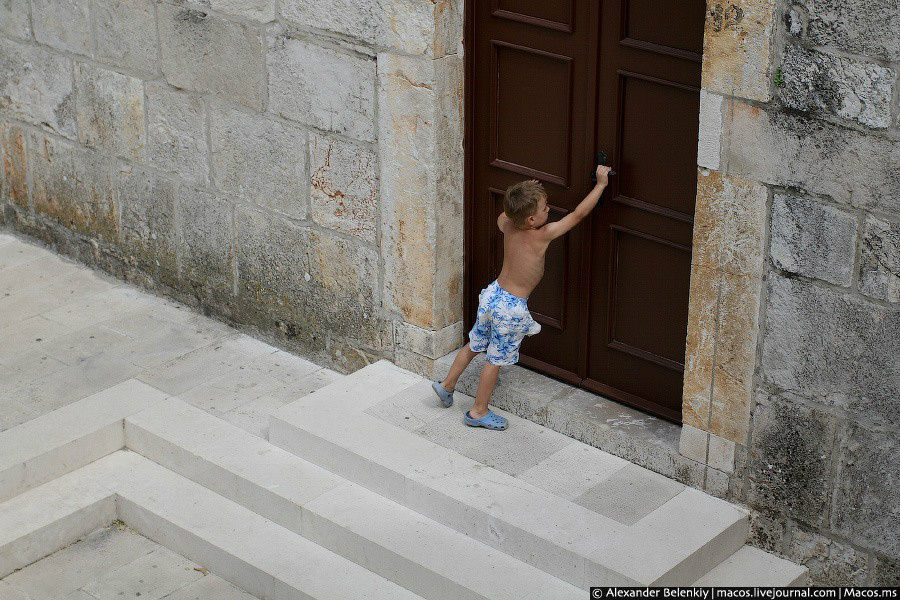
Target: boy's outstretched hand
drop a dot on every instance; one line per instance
(603, 175)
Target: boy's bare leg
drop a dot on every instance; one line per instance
(485, 388)
(462, 360)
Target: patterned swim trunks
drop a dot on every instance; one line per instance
(502, 323)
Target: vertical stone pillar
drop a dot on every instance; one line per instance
(420, 138)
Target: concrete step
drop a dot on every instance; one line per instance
(675, 544)
(383, 536)
(751, 566)
(230, 540)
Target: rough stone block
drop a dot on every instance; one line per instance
(790, 467)
(36, 86)
(887, 571)
(709, 148)
(829, 344)
(448, 28)
(63, 24)
(830, 563)
(257, 10)
(176, 132)
(407, 25)
(260, 159)
(737, 48)
(325, 88)
(72, 187)
(206, 247)
(693, 443)
(729, 223)
(109, 109)
(850, 89)
(736, 339)
(14, 18)
(813, 239)
(146, 204)
(871, 28)
(879, 266)
(207, 53)
(822, 158)
(703, 312)
(766, 532)
(408, 238)
(345, 272)
(865, 509)
(126, 34)
(15, 165)
(721, 454)
(433, 344)
(344, 186)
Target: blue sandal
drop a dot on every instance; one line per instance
(489, 421)
(445, 396)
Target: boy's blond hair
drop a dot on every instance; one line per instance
(521, 201)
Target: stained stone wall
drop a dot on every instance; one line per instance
(792, 380)
(294, 167)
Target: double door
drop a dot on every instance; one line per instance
(553, 84)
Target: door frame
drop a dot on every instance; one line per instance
(707, 411)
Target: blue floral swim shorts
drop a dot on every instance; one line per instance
(502, 323)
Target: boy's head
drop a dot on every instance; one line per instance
(525, 203)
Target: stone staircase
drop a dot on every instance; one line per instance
(366, 488)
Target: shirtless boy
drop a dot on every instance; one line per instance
(503, 319)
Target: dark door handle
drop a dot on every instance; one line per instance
(601, 160)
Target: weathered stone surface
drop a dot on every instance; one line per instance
(345, 270)
(176, 132)
(791, 150)
(721, 454)
(703, 313)
(331, 90)
(63, 24)
(206, 53)
(36, 86)
(823, 343)
(879, 263)
(109, 109)
(206, 249)
(866, 510)
(850, 89)
(407, 25)
(830, 563)
(790, 470)
(72, 187)
(260, 159)
(126, 34)
(408, 237)
(432, 344)
(729, 223)
(737, 48)
(871, 28)
(257, 10)
(736, 338)
(15, 165)
(766, 532)
(693, 443)
(448, 27)
(344, 186)
(450, 181)
(813, 239)
(146, 204)
(14, 18)
(709, 148)
(887, 571)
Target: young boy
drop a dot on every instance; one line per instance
(503, 319)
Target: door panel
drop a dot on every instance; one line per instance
(551, 84)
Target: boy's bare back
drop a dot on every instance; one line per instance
(524, 249)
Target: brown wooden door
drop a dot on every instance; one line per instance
(552, 83)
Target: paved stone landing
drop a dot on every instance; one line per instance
(117, 563)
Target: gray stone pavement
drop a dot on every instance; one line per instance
(116, 563)
(67, 332)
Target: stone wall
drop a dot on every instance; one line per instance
(792, 386)
(291, 166)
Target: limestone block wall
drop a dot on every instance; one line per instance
(293, 166)
(792, 381)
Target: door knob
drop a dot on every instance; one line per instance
(601, 160)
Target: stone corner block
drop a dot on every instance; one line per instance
(721, 453)
(429, 343)
(737, 45)
(693, 443)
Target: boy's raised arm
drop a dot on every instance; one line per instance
(558, 228)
